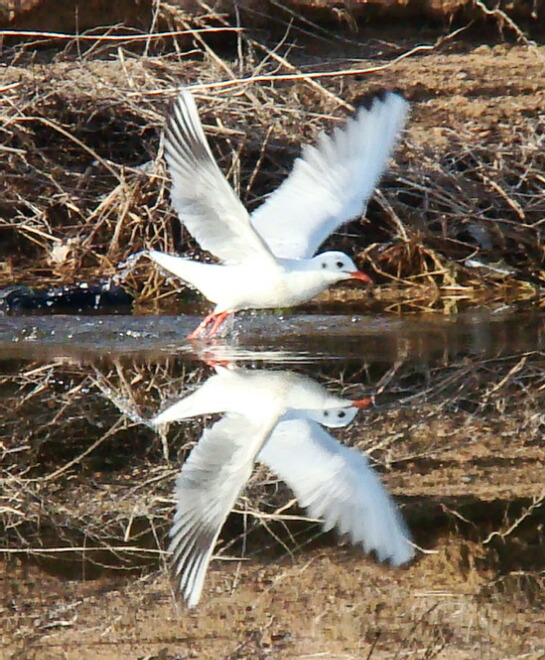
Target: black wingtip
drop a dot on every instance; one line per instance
(368, 99)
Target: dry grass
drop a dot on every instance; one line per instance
(86, 485)
(86, 494)
(460, 210)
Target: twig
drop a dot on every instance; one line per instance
(111, 431)
(339, 73)
(73, 138)
(502, 17)
(41, 550)
(115, 37)
(536, 504)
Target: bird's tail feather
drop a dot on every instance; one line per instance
(193, 273)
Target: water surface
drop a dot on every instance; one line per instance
(87, 480)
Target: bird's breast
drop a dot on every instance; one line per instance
(267, 286)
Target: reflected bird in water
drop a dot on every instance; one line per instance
(277, 418)
(267, 258)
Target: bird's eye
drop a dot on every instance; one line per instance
(326, 413)
(342, 414)
(324, 265)
(340, 264)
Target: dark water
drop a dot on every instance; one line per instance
(272, 338)
(79, 393)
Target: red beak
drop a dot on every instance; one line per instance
(358, 275)
(363, 403)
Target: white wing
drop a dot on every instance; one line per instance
(337, 484)
(206, 489)
(205, 202)
(331, 182)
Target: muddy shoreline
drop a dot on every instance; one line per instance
(457, 434)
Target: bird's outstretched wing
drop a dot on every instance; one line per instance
(206, 489)
(330, 183)
(336, 483)
(205, 202)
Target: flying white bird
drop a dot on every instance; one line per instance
(267, 258)
(275, 417)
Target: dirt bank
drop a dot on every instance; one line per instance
(460, 209)
(63, 16)
(461, 450)
(459, 220)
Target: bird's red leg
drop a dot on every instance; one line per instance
(202, 326)
(220, 318)
(215, 319)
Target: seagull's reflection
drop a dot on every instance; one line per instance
(277, 418)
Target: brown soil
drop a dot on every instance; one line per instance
(466, 185)
(467, 468)
(467, 180)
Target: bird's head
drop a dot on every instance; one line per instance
(337, 266)
(336, 413)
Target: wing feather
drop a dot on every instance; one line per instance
(206, 489)
(332, 181)
(205, 202)
(336, 483)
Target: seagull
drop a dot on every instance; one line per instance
(267, 258)
(277, 418)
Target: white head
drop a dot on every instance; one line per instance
(333, 417)
(337, 266)
(333, 413)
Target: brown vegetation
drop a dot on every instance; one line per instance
(85, 485)
(460, 210)
(86, 496)
(65, 15)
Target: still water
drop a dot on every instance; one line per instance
(88, 468)
(272, 338)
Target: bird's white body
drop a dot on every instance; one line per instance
(267, 258)
(275, 417)
(253, 393)
(251, 284)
